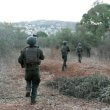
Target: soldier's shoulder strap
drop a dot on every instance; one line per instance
(25, 48)
(24, 51)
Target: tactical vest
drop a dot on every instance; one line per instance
(64, 50)
(32, 55)
(79, 50)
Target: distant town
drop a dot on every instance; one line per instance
(49, 27)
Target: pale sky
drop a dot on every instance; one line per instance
(28, 10)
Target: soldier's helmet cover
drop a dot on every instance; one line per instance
(31, 41)
(79, 44)
(64, 42)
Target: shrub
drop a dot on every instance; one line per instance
(87, 87)
(104, 48)
(105, 94)
(11, 39)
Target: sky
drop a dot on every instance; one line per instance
(29, 10)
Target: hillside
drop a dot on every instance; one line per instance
(50, 27)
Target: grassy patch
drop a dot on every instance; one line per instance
(88, 87)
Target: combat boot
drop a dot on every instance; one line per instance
(27, 94)
(62, 68)
(33, 102)
(33, 98)
(66, 66)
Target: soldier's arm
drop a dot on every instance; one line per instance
(21, 59)
(68, 49)
(41, 55)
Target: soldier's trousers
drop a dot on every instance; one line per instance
(79, 58)
(32, 78)
(88, 54)
(64, 62)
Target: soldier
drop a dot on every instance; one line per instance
(30, 59)
(79, 52)
(88, 49)
(64, 50)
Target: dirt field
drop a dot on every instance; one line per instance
(12, 86)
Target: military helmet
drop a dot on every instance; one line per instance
(31, 41)
(64, 42)
(79, 44)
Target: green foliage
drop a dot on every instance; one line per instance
(44, 42)
(41, 34)
(85, 37)
(11, 39)
(97, 19)
(93, 25)
(57, 39)
(87, 87)
(63, 35)
(105, 94)
(104, 48)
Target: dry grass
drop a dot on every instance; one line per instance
(12, 84)
(74, 68)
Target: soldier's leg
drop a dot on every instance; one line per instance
(79, 58)
(28, 88)
(35, 84)
(34, 92)
(63, 65)
(89, 54)
(65, 60)
(28, 78)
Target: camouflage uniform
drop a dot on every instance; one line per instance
(32, 75)
(79, 52)
(64, 50)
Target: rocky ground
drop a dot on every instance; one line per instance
(12, 86)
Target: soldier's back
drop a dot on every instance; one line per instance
(64, 49)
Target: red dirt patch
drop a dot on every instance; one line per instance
(74, 69)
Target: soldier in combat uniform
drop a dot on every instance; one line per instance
(88, 50)
(30, 59)
(79, 52)
(64, 50)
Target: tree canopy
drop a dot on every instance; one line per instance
(94, 24)
(42, 34)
